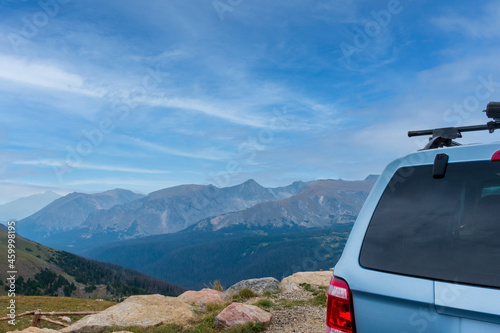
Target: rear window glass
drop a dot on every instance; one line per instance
(443, 229)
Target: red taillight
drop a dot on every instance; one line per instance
(496, 156)
(339, 314)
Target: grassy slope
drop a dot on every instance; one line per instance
(28, 263)
(32, 257)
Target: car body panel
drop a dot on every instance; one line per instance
(471, 302)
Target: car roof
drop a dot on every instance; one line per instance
(463, 153)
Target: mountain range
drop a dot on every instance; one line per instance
(24, 207)
(193, 234)
(69, 212)
(78, 221)
(318, 204)
(174, 209)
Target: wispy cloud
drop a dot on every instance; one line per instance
(87, 166)
(212, 155)
(139, 185)
(41, 75)
(221, 111)
(485, 25)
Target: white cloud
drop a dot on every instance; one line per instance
(41, 75)
(485, 26)
(138, 185)
(218, 110)
(87, 166)
(205, 155)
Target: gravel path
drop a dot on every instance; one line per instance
(303, 319)
(300, 319)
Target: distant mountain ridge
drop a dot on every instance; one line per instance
(24, 207)
(320, 204)
(70, 211)
(79, 221)
(173, 209)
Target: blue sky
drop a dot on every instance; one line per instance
(145, 95)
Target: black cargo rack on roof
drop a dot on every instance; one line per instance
(443, 137)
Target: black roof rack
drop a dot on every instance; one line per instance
(443, 137)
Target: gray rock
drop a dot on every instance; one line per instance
(238, 314)
(321, 279)
(142, 311)
(204, 297)
(259, 286)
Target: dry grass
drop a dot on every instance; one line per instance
(216, 285)
(47, 304)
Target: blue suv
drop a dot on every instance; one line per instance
(424, 253)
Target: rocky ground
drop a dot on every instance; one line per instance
(299, 318)
(303, 319)
(296, 304)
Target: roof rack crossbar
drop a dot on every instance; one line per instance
(443, 137)
(490, 126)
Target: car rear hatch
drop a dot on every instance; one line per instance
(430, 258)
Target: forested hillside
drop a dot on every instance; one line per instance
(45, 271)
(194, 259)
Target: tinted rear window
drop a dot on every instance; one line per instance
(442, 229)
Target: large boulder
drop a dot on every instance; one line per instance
(204, 297)
(320, 279)
(258, 286)
(35, 330)
(142, 311)
(238, 313)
